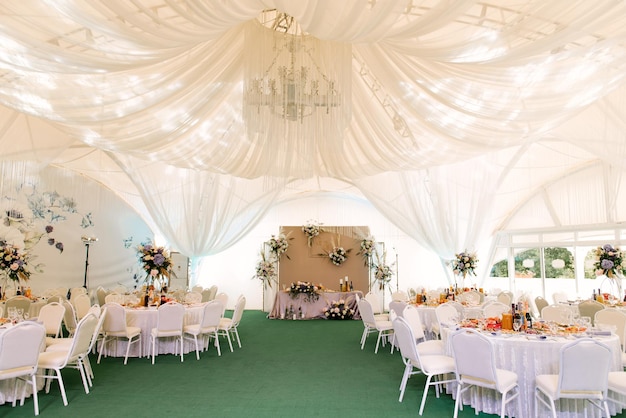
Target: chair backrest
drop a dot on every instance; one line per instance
(397, 307)
(505, 297)
(213, 293)
(471, 297)
(223, 298)
(82, 303)
(399, 296)
(412, 318)
(96, 332)
(101, 295)
(193, 297)
(447, 314)
(557, 313)
(374, 301)
(51, 315)
(20, 346)
(614, 317)
(366, 312)
(405, 339)
(115, 320)
(69, 316)
(197, 288)
(171, 316)
(120, 288)
(206, 295)
(56, 298)
(496, 309)
(474, 358)
(115, 298)
(540, 303)
(18, 302)
(558, 297)
(81, 342)
(211, 314)
(96, 310)
(238, 312)
(584, 367)
(75, 291)
(589, 308)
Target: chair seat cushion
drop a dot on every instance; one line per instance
(436, 364)
(617, 381)
(431, 347)
(52, 340)
(52, 359)
(63, 345)
(166, 333)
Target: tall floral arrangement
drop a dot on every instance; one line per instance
(366, 249)
(309, 290)
(464, 263)
(14, 263)
(311, 229)
(266, 270)
(382, 271)
(609, 260)
(156, 260)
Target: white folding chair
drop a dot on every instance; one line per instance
(228, 326)
(208, 326)
(169, 325)
(115, 328)
(383, 328)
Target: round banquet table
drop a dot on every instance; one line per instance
(529, 356)
(146, 319)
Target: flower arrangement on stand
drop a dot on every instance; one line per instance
(309, 290)
(311, 229)
(14, 263)
(366, 249)
(382, 271)
(610, 262)
(338, 310)
(156, 261)
(464, 263)
(266, 270)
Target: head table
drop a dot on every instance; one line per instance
(312, 309)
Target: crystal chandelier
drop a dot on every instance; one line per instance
(294, 78)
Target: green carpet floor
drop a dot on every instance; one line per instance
(284, 369)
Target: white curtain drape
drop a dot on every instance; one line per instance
(150, 87)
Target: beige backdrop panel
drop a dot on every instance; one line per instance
(305, 263)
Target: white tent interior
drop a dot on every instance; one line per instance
(449, 124)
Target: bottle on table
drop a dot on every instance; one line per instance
(529, 321)
(300, 313)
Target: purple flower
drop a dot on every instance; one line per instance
(50, 241)
(159, 259)
(608, 248)
(607, 264)
(59, 246)
(49, 229)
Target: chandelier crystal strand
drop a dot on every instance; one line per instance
(296, 93)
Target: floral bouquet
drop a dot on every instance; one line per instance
(382, 270)
(608, 260)
(156, 260)
(464, 264)
(265, 270)
(338, 255)
(311, 230)
(310, 291)
(279, 245)
(338, 310)
(366, 249)
(14, 263)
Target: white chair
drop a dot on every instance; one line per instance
(505, 297)
(374, 301)
(69, 318)
(475, 361)
(471, 298)
(193, 297)
(540, 303)
(115, 328)
(616, 318)
(447, 315)
(101, 295)
(584, 367)
(52, 362)
(589, 308)
(425, 347)
(557, 313)
(197, 289)
(169, 325)
(51, 316)
(399, 296)
(19, 354)
(397, 307)
(228, 326)
(495, 310)
(82, 303)
(206, 295)
(209, 323)
(115, 297)
(75, 291)
(383, 328)
(223, 299)
(18, 302)
(559, 297)
(120, 288)
(434, 366)
(213, 293)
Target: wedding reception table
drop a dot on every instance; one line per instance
(146, 319)
(529, 356)
(312, 309)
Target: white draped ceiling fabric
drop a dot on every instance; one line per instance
(461, 112)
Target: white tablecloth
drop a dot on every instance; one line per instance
(529, 357)
(146, 319)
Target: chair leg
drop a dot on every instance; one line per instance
(378, 341)
(236, 332)
(426, 387)
(182, 357)
(217, 344)
(127, 351)
(195, 338)
(83, 375)
(35, 398)
(405, 378)
(457, 401)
